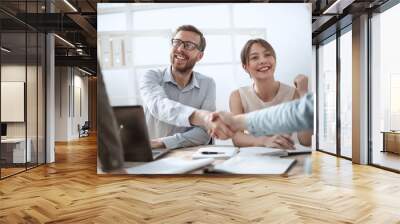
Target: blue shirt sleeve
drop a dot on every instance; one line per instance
(284, 118)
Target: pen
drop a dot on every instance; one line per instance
(211, 153)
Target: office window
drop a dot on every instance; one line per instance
(327, 97)
(174, 16)
(112, 6)
(112, 22)
(13, 73)
(141, 55)
(385, 84)
(346, 94)
(22, 79)
(394, 101)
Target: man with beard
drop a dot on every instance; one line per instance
(178, 100)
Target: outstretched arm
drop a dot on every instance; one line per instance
(284, 118)
(196, 135)
(175, 113)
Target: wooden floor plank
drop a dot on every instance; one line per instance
(70, 191)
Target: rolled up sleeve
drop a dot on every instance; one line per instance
(196, 135)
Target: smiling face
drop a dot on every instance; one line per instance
(260, 62)
(183, 60)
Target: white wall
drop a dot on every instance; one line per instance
(79, 117)
(61, 125)
(69, 82)
(14, 73)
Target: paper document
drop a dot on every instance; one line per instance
(169, 166)
(215, 152)
(254, 165)
(258, 151)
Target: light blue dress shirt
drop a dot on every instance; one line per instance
(283, 118)
(168, 107)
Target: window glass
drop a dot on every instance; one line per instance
(327, 97)
(385, 88)
(346, 94)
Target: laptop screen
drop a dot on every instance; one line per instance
(133, 133)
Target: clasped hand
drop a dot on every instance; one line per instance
(223, 125)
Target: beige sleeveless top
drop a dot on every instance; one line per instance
(251, 102)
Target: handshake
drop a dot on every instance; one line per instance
(223, 125)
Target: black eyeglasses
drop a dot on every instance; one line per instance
(187, 45)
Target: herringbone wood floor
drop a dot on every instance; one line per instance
(69, 191)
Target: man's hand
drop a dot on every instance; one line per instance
(156, 143)
(215, 126)
(301, 84)
(226, 119)
(234, 122)
(218, 128)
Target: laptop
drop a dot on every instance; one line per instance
(138, 156)
(134, 135)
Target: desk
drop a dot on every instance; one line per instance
(302, 165)
(391, 141)
(13, 150)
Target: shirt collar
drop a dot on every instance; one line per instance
(168, 76)
(194, 82)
